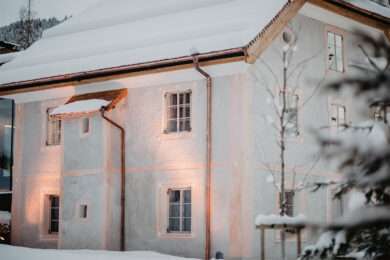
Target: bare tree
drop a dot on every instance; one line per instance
(287, 117)
(27, 33)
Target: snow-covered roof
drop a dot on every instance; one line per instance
(371, 6)
(90, 102)
(125, 32)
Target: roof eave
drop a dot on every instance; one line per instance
(80, 78)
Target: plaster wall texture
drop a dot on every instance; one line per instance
(242, 143)
(84, 158)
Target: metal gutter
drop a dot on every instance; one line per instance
(208, 155)
(79, 77)
(123, 177)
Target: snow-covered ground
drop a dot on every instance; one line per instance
(21, 253)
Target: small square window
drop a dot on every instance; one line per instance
(381, 113)
(291, 114)
(81, 210)
(178, 112)
(53, 136)
(179, 210)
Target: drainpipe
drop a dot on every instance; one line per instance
(208, 155)
(123, 133)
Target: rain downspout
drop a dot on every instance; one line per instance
(208, 155)
(123, 133)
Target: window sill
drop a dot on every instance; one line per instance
(336, 73)
(51, 147)
(176, 235)
(48, 237)
(176, 135)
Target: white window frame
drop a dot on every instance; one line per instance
(45, 215)
(57, 131)
(298, 92)
(162, 231)
(378, 112)
(181, 205)
(299, 195)
(331, 30)
(337, 102)
(178, 106)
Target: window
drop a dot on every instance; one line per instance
(338, 117)
(336, 49)
(178, 112)
(291, 114)
(54, 202)
(289, 198)
(380, 114)
(53, 129)
(179, 210)
(288, 36)
(85, 125)
(81, 210)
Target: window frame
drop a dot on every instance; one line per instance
(383, 111)
(181, 210)
(162, 221)
(58, 129)
(81, 133)
(287, 29)
(339, 102)
(299, 93)
(343, 34)
(77, 205)
(299, 195)
(178, 105)
(45, 215)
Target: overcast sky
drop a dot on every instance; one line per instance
(9, 9)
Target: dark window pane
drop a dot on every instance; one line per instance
(181, 112)
(172, 100)
(182, 96)
(172, 126)
(54, 214)
(188, 98)
(185, 125)
(172, 112)
(174, 224)
(174, 196)
(187, 111)
(187, 196)
(187, 210)
(186, 225)
(54, 226)
(174, 210)
(55, 201)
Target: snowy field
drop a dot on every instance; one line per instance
(22, 253)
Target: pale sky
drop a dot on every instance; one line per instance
(9, 9)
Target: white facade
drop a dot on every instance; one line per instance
(84, 169)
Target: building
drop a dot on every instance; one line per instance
(147, 63)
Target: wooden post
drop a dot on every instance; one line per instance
(262, 245)
(298, 242)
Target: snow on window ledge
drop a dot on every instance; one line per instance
(279, 220)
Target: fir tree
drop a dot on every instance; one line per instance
(363, 153)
